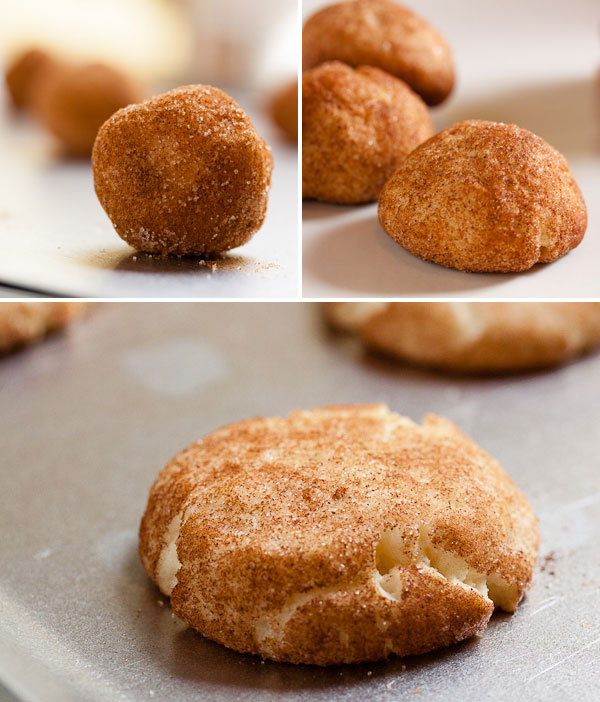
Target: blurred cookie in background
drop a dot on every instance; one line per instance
(473, 337)
(24, 71)
(75, 101)
(23, 323)
(284, 110)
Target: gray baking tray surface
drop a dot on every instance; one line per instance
(89, 418)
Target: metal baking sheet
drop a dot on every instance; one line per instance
(56, 240)
(88, 419)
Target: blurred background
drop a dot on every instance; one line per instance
(229, 43)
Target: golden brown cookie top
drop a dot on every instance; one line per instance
(357, 126)
(335, 497)
(384, 34)
(484, 196)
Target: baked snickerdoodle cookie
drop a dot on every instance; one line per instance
(75, 100)
(384, 34)
(183, 173)
(338, 535)
(484, 196)
(25, 322)
(357, 126)
(473, 336)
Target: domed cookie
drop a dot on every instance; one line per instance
(338, 535)
(357, 126)
(183, 173)
(481, 196)
(479, 337)
(384, 34)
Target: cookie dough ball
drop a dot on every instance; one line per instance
(482, 196)
(357, 126)
(77, 100)
(183, 173)
(23, 323)
(284, 108)
(338, 535)
(27, 70)
(473, 337)
(384, 34)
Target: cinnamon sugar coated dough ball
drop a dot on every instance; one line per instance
(25, 71)
(483, 196)
(384, 34)
(357, 126)
(284, 108)
(25, 322)
(76, 100)
(183, 173)
(338, 535)
(478, 337)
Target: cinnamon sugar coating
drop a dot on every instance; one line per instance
(183, 173)
(338, 535)
(75, 101)
(284, 108)
(26, 322)
(484, 196)
(384, 34)
(357, 126)
(473, 337)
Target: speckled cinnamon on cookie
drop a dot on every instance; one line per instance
(338, 535)
(183, 173)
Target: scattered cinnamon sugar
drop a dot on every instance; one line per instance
(546, 562)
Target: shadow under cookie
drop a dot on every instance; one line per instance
(360, 257)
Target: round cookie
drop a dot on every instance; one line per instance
(183, 173)
(383, 34)
(284, 108)
(338, 535)
(25, 71)
(357, 127)
(473, 337)
(483, 196)
(25, 322)
(76, 100)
